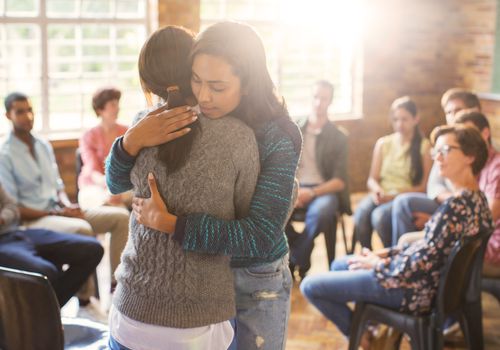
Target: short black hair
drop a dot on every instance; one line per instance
(13, 97)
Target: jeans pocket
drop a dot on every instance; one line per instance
(269, 270)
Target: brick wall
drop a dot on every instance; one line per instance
(416, 48)
(419, 48)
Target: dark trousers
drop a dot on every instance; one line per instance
(45, 252)
(320, 216)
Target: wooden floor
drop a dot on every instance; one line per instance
(307, 328)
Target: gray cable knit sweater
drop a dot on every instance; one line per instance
(158, 281)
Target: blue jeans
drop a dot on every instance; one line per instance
(369, 216)
(404, 205)
(263, 305)
(321, 216)
(329, 292)
(114, 345)
(45, 252)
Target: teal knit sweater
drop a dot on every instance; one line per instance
(259, 237)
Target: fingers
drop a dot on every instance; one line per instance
(170, 126)
(176, 134)
(152, 185)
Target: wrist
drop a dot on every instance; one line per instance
(129, 146)
(167, 223)
(313, 192)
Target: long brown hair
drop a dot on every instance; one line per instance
(417, 167)
(242, 48)
(164, 62)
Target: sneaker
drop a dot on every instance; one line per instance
(453, 328)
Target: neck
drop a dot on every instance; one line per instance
(316, 121)
(108, 126)
(24, 136)
(465, 182)
(404, 138)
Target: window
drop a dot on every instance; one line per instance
(305, 41)
(60, 51)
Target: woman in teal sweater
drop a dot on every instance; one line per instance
(256, 243)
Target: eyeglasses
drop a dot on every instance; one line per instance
(23, 111)
(443, 150)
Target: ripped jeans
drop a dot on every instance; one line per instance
(263, 305)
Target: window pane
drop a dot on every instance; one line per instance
(21, 8)
(20, 63)
(130, 8)
(96, 8)
(62, 8)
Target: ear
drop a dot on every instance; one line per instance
(417, 118)
(8, 116)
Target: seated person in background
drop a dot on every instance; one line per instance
(400, 163)
(322, 174)
(397, 280)
(94, 148)
(29, 173)
(410, 211)
(45, 252)
(489, 183)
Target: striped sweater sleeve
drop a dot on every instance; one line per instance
(260, 234)
(118, 166)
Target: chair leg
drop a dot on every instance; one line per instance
(473, 325)
(358, 324)
(96, 284)
(340, 218)
(330, 247)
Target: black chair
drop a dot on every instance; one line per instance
(30, 317)
(492, 286)
(330, 237)
(458, 295)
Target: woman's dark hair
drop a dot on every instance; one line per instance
(164, 62)
(476, 118)
(417, 167)
(240, 46)
(470, 141)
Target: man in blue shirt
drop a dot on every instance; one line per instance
(29, 173)
(45, 252)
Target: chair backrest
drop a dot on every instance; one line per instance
(78, 167)
(29, 312)
(460, 273)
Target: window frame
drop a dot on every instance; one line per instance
(42, 20)
(356, 71)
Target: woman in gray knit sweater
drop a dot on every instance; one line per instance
(168, 298)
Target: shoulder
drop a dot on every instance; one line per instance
(228, 126)
(44, 143)
(91, 133)
(282, 130)
(425, 145)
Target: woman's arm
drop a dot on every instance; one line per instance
(260, 233)
(157, 127)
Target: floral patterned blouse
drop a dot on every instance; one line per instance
(416, 269)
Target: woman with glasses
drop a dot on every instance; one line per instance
(401, 163)
(407, 279)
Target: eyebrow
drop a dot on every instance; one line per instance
(209, 81)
